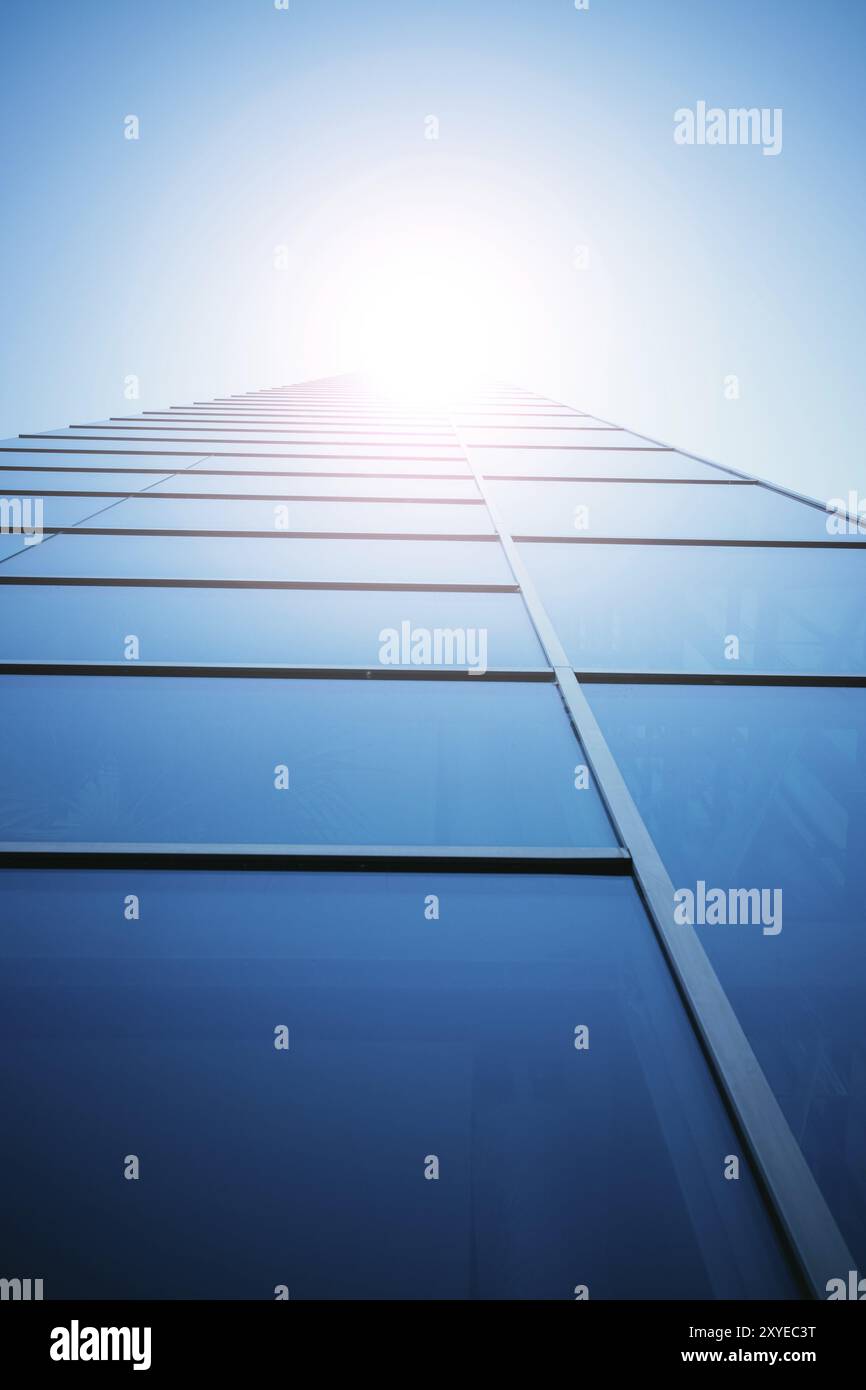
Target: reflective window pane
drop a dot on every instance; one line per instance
(724, 511)
(301, 466)
(760, 789)
(224, 443)
(195, 483)
(281, 560)
(675, 608)
(496, 442)
(207, 514)
(29, 454)
(138, 759)
(592, 463)
(300, 627)
(563, 434)
(407, 1038)
(39, 482)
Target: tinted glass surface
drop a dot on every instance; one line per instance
(197, 760)
(760, 788)
(409, 1038)
(675, 608)
(281, 560)
(724, 511)
(206, 514)
(590, 463)
(305, 627)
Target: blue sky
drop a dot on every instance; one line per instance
(306, 130)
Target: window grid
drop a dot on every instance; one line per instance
(343, 410)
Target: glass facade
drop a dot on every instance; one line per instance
(429, 859)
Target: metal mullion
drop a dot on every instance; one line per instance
(795, 1198)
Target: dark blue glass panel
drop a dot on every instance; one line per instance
(727, 511)
(674, 608)
(407, 1038)
(279, 560)
(301, 627)
(169, 759)
(207, 514)
(759, 788)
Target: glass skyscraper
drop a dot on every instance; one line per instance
(432, 861)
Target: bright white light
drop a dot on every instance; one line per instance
(431, 313)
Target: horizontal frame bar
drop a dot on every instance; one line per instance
(542, 675)
(786, 678)
(190, 534)
(495, 859)
(146, 582)
(692, 540)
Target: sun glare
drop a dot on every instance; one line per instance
(430, 317)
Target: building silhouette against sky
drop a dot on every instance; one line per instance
(432, 860)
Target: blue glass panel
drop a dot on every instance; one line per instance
(35, 512)
(725, 511)
(674, 608)
(567, 436)
(38, 482)
(539, 416)
(207, 514)
(152, 466)
(82, 456)
(746, 788)
(407, 1038)
(347, 468)
(11, 543)
(591, 463)
(279, 560)
(303, 627)
(224, 442)
(169, 759)
(271, 427)
(72, 511)
(496, 442)
(196, 483)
